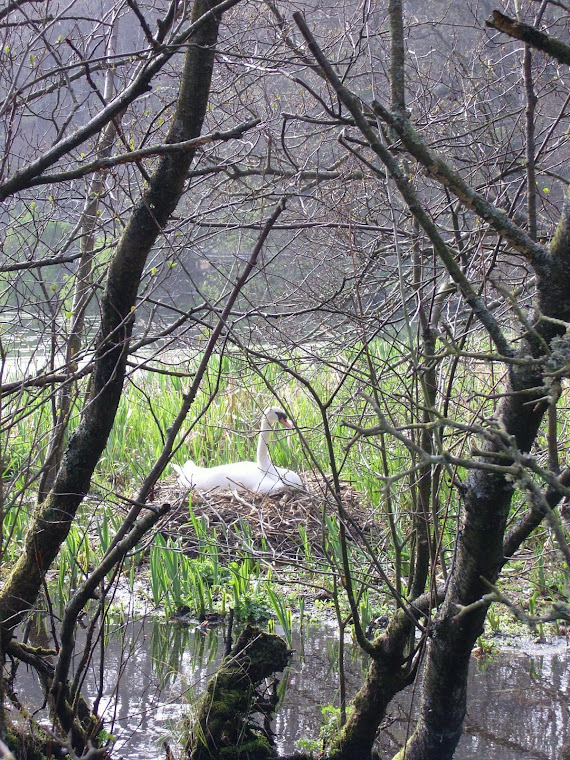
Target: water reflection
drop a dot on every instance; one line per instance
(518, 708)
(520, 705)
(150, 682)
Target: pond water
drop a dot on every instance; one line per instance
(519, 703)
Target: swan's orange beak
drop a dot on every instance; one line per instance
(286, 422)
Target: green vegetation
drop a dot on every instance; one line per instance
(207, 579)
(331, 722)
(202, 571)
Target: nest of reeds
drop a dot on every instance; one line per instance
(278, 525)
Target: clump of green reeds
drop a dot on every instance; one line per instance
(223, 428)
(74, 561)
(203, 584)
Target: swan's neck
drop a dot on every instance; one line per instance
(263, 458)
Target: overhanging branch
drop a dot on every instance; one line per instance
(140, 84)
(530, 35)
(136, 155)
(443, 173)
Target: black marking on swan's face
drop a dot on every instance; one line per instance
(282, 418)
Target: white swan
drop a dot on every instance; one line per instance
(260, 477)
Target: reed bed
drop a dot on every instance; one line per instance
(192, 559)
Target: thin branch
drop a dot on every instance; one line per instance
(532, 519)
(133, 5)
(141, 84)
(85, 591)
(442, 172)
(136, 155)
(14, 6)
(190, 395)
(559, 611)
(38, 264)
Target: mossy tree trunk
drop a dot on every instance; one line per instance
(487, 499)
(54, 517)
(222, 726)
(488, 490)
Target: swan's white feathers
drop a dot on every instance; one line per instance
(260, 477)
(237, 476)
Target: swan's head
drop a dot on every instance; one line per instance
(274, 415)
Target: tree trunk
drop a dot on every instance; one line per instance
(55, 515)
(83, 291)
(486, 494)
(222, 726)
(480, 544)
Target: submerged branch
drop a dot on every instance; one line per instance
(222, 726)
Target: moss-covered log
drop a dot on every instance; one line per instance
(222, 726)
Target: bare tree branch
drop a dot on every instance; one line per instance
(22, 178)
(440, 170)
(532, 36)
(408, 193)
(136, 155)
